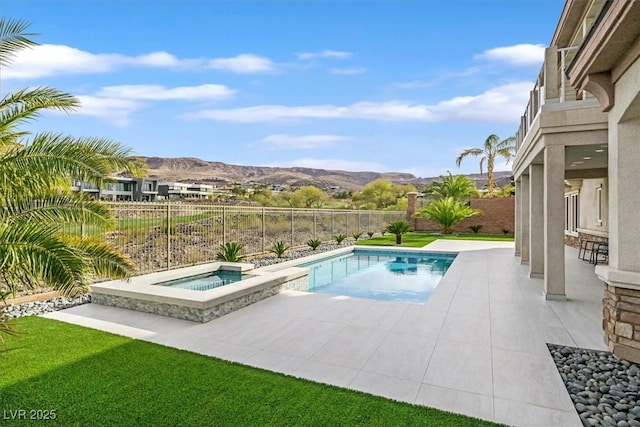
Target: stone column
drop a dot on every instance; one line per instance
(524, 208)
(621, 303)
(412, 207)
(554, 222)
(518, 230)
(536, 221)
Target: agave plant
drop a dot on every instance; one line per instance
(314, 243)
(279, 248)
(398, 228)
(475, 228)
(339, 238)
(230, 252)
(356, 236)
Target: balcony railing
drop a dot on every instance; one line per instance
(540, 95)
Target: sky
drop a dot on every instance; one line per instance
(358, 85)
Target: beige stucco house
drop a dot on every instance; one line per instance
(577, 167)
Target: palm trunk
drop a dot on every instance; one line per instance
(398, 239)
(490, 183)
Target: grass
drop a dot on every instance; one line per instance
(470, 236)
(417, 239)
(90, 377)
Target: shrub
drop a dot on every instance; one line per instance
(279, 248)
(356, 236)
(383, 231)
(370, 234)
(506, 231)
(230, 252)
(475, 228)
(314, 243)
(339, 238)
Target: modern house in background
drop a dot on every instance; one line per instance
(181, 190)
(577, 165)
(122, 189)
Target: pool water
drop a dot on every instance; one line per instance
(205, 282)
(382, 275)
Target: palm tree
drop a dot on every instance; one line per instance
(398, 228)
(491, 149)
(40, 215)
(446, 213)
(459, 187)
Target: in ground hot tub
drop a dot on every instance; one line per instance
(200, 293)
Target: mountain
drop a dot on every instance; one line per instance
(191, 169)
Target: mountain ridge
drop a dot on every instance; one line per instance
(193, 169)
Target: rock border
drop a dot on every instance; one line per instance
(605, 390)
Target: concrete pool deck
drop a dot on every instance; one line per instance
(476, 347)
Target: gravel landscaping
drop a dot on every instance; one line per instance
(604, 389)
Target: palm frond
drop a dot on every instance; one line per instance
(466, 153)
(33, 254)
(51, 156)
(13, 38)
(25, 105)
(103, 259)
(57, 210)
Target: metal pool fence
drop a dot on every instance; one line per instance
(161, 236)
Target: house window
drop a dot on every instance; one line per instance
(599, 204)
(571, 212)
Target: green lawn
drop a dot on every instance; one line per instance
(417, 239)
(93, 378)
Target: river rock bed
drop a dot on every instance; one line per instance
(604, 389)
(35, 308)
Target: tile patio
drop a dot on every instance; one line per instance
(476, 347)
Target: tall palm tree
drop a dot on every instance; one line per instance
(491, 149)
(38, 210)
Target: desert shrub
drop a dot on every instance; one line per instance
(230, 252)
(314, 243)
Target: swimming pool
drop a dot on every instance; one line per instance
(383, 275)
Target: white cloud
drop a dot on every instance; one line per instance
(324, 54)
(518, 55)
(48, 60)
(157, 92)
(388, 111)
(243, 64)
(348, 71)
(115, 111)
(500, 104)
(159, 59)
(334, 164)
(303, 142)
